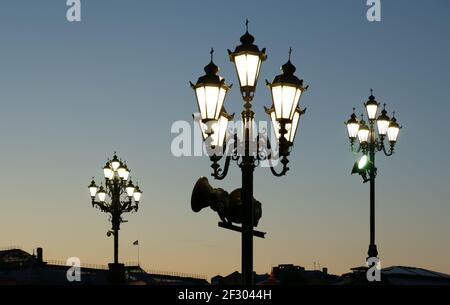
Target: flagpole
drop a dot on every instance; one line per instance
(139, 262)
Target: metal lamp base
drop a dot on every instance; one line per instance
(116, 274)
(373, 252)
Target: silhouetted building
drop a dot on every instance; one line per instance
(289, 274)
(235, 278)
(396, 275)
(286, 274)
(18, 267)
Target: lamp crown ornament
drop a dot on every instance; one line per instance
(394, 121)
(211, 68)
(383, 115)
(287, 75)
(115, 157)
(362, 122)
(371, 107)
(247, 39)
(211, 74)
(353, 118)
(247, 43)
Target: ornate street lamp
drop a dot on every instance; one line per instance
(119, 195)
(286, 89)
(369, 143)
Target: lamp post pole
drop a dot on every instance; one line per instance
(117, 185)
(210, 91)
(370, 143)
(372, 252)
(116, 223)
(247, 168)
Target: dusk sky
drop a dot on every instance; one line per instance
(73, 93)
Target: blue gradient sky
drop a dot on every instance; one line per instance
(72, 93)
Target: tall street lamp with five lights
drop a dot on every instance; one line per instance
(371, 142)
(210, 91)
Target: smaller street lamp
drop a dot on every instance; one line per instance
(369, 144)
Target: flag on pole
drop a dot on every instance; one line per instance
(136, 243)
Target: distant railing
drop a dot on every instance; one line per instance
(90, 266)
(134, 264)
(177, 274)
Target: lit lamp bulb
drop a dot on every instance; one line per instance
(108, 172)
(371, 106)
(93, 189)
(122, 171)
(383, 122)
(130, 189)
(115, 163)
(137, 194)
(393, 130)
(363, 132)
(101, 194)
(352, 126)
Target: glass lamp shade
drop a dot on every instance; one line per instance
(393, 130)
(363, 133)
(250, 125)
(352, 127)
(108, 172)
(210, 91)
(101, 194)
(130, 189)
(294, 125)
(371, 111)
(115, 163)
(210, 100)
(290, 127)
(285, 100)
(219, 129)
(126, 174)
(286, 90)
(383, 123)
(247, 59)
(371, 107)
(275, 124)
(93, 189)
(122, 171)
(137, 194)
(247, 67)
